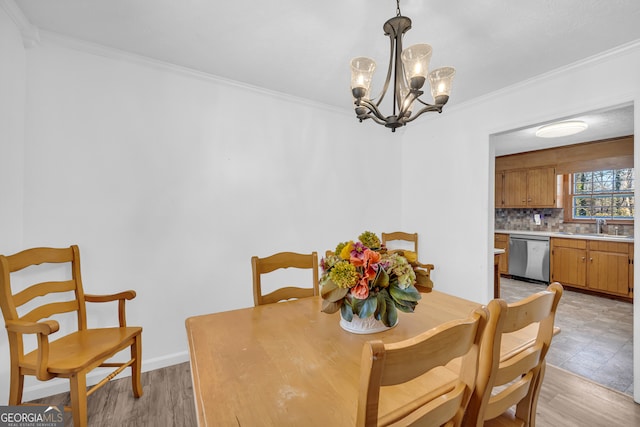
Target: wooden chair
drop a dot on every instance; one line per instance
(283, 260)
(401, 236)
(423, 271)
(70, 356)
(437, 395)
(513, 376)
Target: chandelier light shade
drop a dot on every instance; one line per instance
(409, 69)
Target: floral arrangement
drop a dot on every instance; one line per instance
(362, 278)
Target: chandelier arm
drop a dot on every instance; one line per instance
(375, 119)
(429, 105)
(389, 71)
(373, 109)
(434, 108)
(406, 102)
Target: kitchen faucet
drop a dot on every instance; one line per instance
(599, 223)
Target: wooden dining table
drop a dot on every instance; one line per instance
(289, 364)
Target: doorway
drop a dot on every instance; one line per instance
(585, 355)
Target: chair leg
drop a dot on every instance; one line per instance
(78, 392)
(16, 386)
(526, 408)
(536, 394)
(136, 354)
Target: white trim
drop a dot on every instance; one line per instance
(30, 33)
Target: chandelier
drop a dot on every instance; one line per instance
(410, 70)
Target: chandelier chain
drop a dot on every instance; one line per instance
(398, 13)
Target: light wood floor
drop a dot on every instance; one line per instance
(566, 400)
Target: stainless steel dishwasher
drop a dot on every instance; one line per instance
(529, 257)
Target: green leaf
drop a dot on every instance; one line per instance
(368, 307)
(406, 306)
(382, 279)
(408, 294)
(347, 312)
(381, 310)
(327, 287)
(332, 292)
(392, 315)
(331, 307)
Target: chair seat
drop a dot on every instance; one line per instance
(82, 349)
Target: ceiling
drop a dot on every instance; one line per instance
(303, 48)
(602, 124)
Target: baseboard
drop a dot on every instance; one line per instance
(41, 389)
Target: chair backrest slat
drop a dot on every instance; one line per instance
(530, 310)
(37, 256)
(516, 365)
(42, 289)
(48, 310)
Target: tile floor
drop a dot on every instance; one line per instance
(596, 340)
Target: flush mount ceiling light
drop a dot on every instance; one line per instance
(555, 130)
(410, 70)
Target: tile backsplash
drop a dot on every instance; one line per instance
(550, 220)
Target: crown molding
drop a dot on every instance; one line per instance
(30, 33)
(582, 63)
(84, 46)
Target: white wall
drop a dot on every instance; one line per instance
(170, 181)
(448, 167)
(12, 105)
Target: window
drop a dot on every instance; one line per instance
(604, 194)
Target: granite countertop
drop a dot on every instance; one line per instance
(569, 235)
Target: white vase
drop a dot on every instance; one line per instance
(368, 325)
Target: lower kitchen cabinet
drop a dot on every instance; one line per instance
(596, 265)
(569, 262)
(609, 267)
(501, 241)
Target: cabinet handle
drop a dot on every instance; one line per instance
(591, 259)
(583, 258)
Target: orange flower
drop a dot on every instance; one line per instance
(361, 290)
(369, 261)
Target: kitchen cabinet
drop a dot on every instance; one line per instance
(609, 267)
(535, 187)
(515, 189)
(501, 241)
(599, 266)
(569, 262)
(499, 193)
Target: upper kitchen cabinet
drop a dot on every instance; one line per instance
(534, 179)
(535, 188)
(499, 196)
